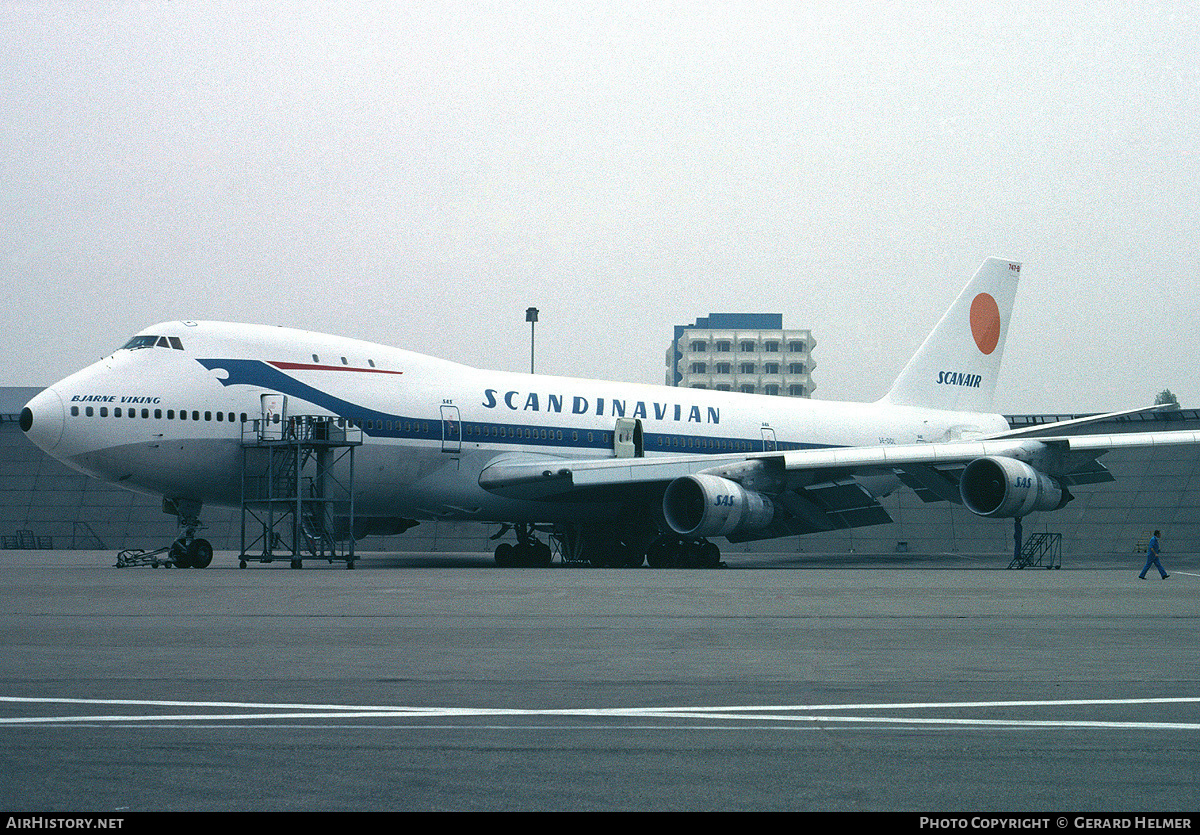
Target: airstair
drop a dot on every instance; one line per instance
(298, 489)
(1040, 550)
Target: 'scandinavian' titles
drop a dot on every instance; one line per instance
(602, 406)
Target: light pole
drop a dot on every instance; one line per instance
(531, 317)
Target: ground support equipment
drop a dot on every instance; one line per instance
(1041, 550)
(298, 490)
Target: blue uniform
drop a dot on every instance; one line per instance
(1152, 559)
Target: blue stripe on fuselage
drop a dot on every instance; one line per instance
(243, 372)
(259, 373)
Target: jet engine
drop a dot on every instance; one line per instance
(700, 506)
(996, 486)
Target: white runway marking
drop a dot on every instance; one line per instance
(174, 713)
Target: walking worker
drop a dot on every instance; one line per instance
(1152, 559)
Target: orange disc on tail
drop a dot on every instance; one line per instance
(985, 322)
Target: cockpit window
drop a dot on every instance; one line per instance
(147, 341)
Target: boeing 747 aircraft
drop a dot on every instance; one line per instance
(620, 474)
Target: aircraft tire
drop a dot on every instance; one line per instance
(702, 554)
(199, 553)
(505, 556)
(179, 554)
(523, 554)
(659, 554)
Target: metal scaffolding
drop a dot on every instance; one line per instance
(298, 489)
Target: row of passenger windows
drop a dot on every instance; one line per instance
(472, 430)
(679, 442)
(389, 425)
(183, 414)
(317, 360)
(489, 431)
(663, 441)
(152, 341)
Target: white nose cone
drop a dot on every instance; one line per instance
(43, 418)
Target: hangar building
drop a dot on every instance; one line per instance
(44, 504)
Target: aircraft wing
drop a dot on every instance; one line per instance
(820, 489)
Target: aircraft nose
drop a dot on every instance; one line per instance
(42, 419)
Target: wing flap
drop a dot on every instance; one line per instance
(847, 503)
(1092, 472)
(832, 505)
(536, 477)
(819, 489)
(932, 484)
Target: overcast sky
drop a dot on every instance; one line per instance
(418, 174)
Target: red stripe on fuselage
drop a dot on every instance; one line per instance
(308, 366)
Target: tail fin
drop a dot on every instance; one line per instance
(957, 366)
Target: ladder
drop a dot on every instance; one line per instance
(1040, 550)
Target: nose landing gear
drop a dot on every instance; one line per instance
(197, 553)
(188, 551)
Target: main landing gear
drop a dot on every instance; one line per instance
(528, 552)
(603, 548)
(666, 551)
(672, 552)
(629, 549)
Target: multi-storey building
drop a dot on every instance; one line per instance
(744, 352)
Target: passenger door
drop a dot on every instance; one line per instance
(451, 430)
(627, 438)
(768, 436)
(274, 416)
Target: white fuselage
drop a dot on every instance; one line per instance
(167, 419)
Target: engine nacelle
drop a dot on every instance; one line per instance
(702, 505)
(996, 486)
